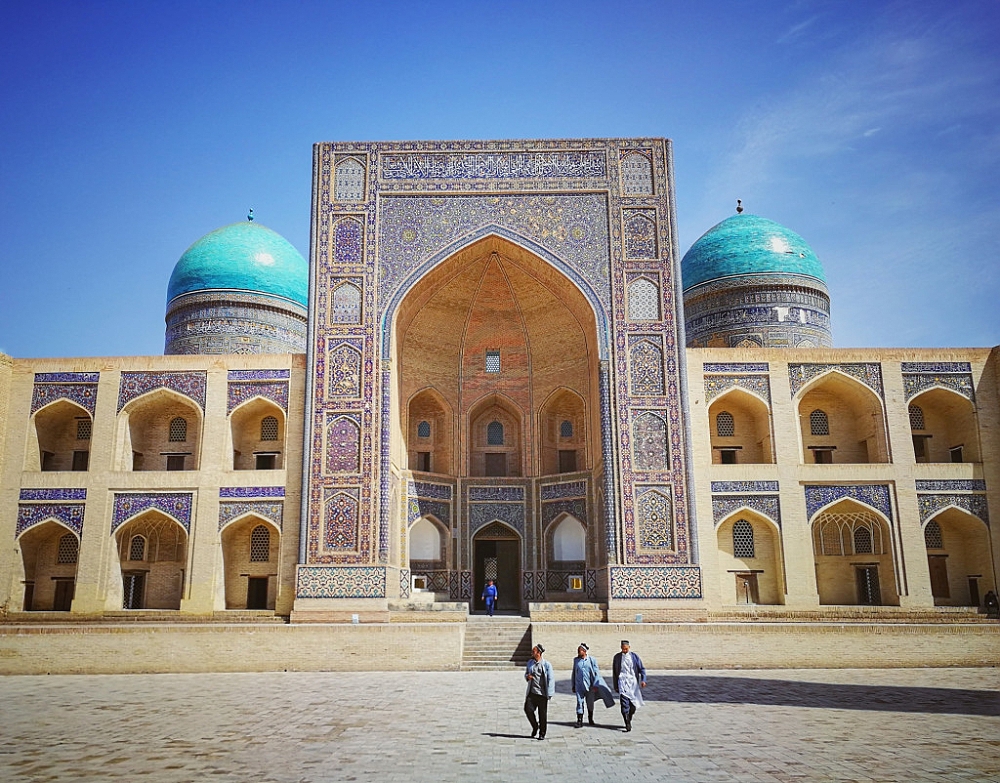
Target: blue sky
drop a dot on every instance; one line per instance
(131, 129)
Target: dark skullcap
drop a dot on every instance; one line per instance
(584, 646)
(625, 641)
(539, 648)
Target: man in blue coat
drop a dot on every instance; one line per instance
(490, 596)
(541, 687)
(588, 684)
(629, 680)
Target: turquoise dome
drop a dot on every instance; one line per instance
(242, 257)
(748, 245)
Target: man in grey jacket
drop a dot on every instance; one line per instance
(541, 687)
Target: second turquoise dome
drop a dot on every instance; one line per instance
(748, 245)
(242, 257)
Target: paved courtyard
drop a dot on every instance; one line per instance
(829, 725)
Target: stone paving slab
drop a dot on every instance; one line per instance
(820, 726)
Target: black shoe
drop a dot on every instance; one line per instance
(579, 721)
(541, 736)
(534, 731)
(590, 720)
(628, 728)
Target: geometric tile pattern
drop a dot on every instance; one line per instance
(426, 489)
(869, 373)
(251, 492)
(935, 367)
(340, 520)
(637, 173)
(744, 486)
(481, 514)
(78, 387)
(567, 489)
(914, 384)
(655, 582)
(508, 494)
(766, 505)
(974, 504)
(340, 582)
(646, 363)
(271, 511)
(190, 384)
(758, 385)
(735, 367)
(30, 514)
(654, 518)
(874, 495)
(177, 505)
(575, 508)
(275, 391)
(650, 443)
(532, 585)
(259, 375)
(640, 233)
(421, 507)
(343, 445)
(53, 494)
(950, 485)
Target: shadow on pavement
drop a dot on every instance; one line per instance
(791, 693)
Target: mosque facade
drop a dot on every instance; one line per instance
(495, 365)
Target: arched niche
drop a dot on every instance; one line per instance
(562, 427)
(856, 422)
(59, 438)
(149, 435)
(428, 544)
(750, 563)
(251, 546)
(495, 442)
(958, 556)
(49, 555)
(257, 429)
(852, 551)
(493, 317)
(947, 430)
(430, 433)
(743, 434)
(152, 559)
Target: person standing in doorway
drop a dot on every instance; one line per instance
(490, 596)
(629, 680)
(588, 684)
(541, 688)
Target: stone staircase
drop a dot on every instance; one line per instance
(496, 643)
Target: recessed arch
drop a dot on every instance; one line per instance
(759, 579)
(950, 429)
(855, 416)
(143, 440)
(157, 580)
(960, 569)
(250, 449)
(251, 573)
(750, 441)
(48, 581)
(56, 440)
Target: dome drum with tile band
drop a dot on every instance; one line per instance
(749, 281)
(240, 289)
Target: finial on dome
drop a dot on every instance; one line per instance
(739, 207)
(250, 215)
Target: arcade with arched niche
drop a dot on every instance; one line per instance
(958, 558)
(750, 563)
(496, 390)
(49, 555)
(943, 426)
(160, 430)
(250, 548)
(152, 560)
(740, 425)
(841, 421)
(852, 549)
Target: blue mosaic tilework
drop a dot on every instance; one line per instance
(950, 485)
(870, 374)
(914, 384)
(974, 504)
(640, 233)
(493, 165)
(646, 366)
(259, 375)
(935, 367)
(251, 492)
(427, 489)
(340, 582)
(83, 394)
(240, 392)
(744, 486)
(607, 454)
(460, 585)
(874, 495)
(481, 514)
(31, 514)
(229, 512)
(735, 367)
(766, 505)
(67, 377)
(654, 518)
(655, 582)
(135, 384)
(758, 385)
(343, 368)
(343, 444)
(504, 494)
(566, 489)
(53, 494)
(650, 441)
(340, 519)
(421, 507)
(177, 505)
(552, 509)
(404, 583)
(590, 582)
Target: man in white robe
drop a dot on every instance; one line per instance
(629, 680)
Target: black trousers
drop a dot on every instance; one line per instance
(533, 702)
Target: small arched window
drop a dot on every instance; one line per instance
(178, 430)
(69, 549)
(494, 434)
(424, 429)
(916, 418)
(260, 544)
(269, 428)
(932, 535)
(862, 541)
(742, 539)
(566, 429)
(137, 548)
(725, 425)
(819, 424)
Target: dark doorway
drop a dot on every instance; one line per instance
(868, 588)
(938, 565)
(134, 584)
(65, 588)
(498, 559)
(746, 589)
(257, 592)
